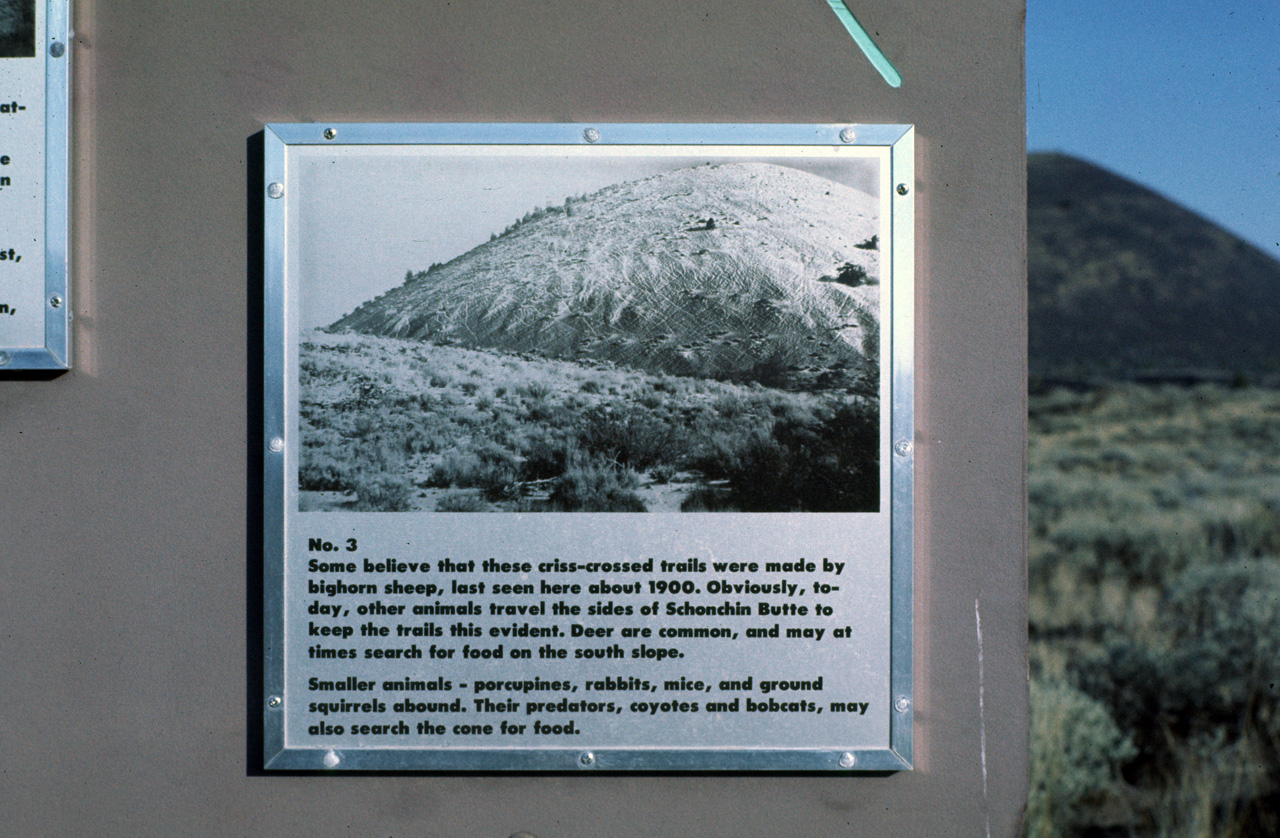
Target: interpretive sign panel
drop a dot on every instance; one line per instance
(34, 85)
(588, 447)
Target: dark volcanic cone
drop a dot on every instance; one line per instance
(744, 271)
(1123, 281)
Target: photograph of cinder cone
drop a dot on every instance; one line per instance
(700, 339)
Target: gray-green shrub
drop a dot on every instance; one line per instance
(1076, 749)
(590, 485)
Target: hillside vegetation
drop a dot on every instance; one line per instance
(1155, 611)
(394, 425)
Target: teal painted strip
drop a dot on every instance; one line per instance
(869, 48)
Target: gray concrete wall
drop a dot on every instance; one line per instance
(128, 485)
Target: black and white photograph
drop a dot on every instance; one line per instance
(17, 28)
(573, 332)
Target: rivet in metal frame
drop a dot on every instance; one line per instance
(903, 189)
(274, 702)
(330, 133)
(55, 301)
(586, 759)
(847, 760)
(5, 359)
(276, 445)
(902, 447)
(591, 135)
(848, 135)
(57, 49)
(902, 705)
(275, 190)
(331, 759)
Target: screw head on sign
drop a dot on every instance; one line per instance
(591, 135)
(276, 190)
(331, 759)
(848, 135)
(902, 705)
(903, 189)
(5, 359)
(55, 301)
(330, 133)
(276, 445)
(902, 447)
(57, 49)
(274, 701)
(847, 760)
(587, 759)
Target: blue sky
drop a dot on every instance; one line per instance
(1182, 96)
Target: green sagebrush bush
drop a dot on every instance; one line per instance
(591, 485)
(379, 481)
(1076, 749)
(1149, 547)
(546, 454)
(1216, 671)
(488, 466)
(372, 468)
(824, 462)
(456, 500)
(320, 472)
(1199, 699)
(382, 492)
(535, 389)
(662, 473)
(631, 438)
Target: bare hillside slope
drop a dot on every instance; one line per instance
(745, 271)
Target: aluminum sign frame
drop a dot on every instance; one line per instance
(285, 751)
(40, 90)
